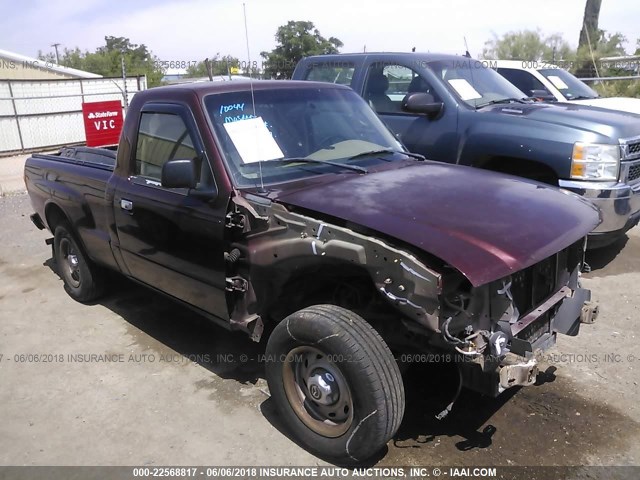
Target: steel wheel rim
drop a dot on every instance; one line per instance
(70, 263)
(317, 391)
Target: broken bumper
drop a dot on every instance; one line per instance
(532, 334)
(536, 332)
(519, 374)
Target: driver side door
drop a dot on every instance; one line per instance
(169, 239)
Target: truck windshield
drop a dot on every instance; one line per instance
(569, 86)
(322, 127)
(475, 83)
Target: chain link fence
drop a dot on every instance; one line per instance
(623, 86)
(39, 114)
(617, 76)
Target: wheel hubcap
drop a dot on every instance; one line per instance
(317, 391)
(70, 263)
(323, 388)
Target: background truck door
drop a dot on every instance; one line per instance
(385, 86)
(170, 239)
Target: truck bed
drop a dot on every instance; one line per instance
(77, 177)
(93, 157)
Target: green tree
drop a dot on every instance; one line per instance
(528, 45)
(295, 40)
(588, 59)
(107, 60)
(590, 65)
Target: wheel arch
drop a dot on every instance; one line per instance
(299, 284)
(521, 167)
(287, 251)
(54, 215)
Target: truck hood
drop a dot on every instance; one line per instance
(623, 104)
(609, 123)
(484, 224)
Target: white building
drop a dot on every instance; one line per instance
(14, 66)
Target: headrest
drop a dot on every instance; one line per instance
(378, 83)
(418, 85)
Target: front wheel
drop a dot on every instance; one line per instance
(335, 383)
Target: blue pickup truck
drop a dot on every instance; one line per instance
(459, 110)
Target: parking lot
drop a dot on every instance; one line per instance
(139, 380)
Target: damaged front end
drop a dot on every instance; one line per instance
(280, 260)
(268, 246)
(499, 329)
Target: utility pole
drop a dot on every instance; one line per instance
(207, 64)
(56, 45)
(124, 82)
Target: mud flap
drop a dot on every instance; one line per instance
(567, 319)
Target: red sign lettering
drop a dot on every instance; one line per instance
(102, 122)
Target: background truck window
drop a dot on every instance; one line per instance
(523, 80)
(341, 74)
(387, 86)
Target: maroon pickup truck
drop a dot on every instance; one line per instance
(288, 207)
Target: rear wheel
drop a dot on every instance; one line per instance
(335, 382)
(83, 280)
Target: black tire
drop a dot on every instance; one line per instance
(83, 280)
(350, 414)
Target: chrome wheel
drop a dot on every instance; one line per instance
(317, 391)
(70, 263)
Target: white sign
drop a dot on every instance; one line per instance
(558, 82)
(253, 140)
(464, 89)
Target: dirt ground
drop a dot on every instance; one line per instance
(178, 391)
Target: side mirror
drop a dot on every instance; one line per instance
(179, 174)
(419, 102)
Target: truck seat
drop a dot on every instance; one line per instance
(376, 93)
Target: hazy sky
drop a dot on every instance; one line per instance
(195, 29)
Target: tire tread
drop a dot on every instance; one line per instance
(375, 360)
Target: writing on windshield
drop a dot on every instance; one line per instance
(323, 127)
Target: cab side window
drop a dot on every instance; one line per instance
(386, 87)
(340, 74)
(161, 137)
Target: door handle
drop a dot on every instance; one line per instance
(126, 205)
